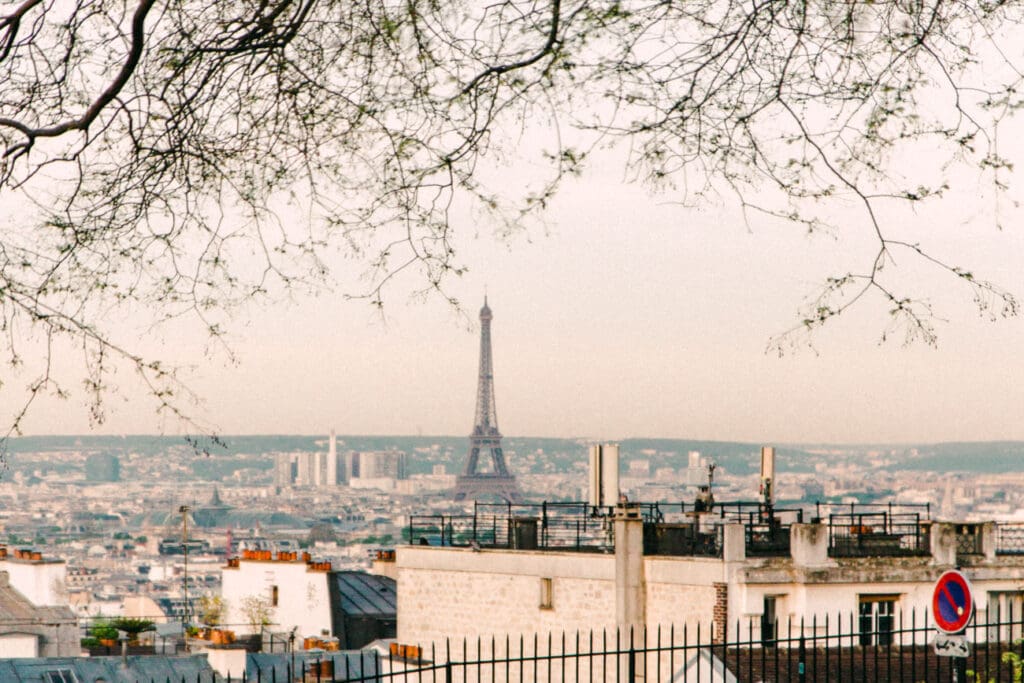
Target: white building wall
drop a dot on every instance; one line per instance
(303, 602)
(19, 645)
(43, 583)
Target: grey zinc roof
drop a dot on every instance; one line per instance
(362, 594)
(109, 669)
(348, 665)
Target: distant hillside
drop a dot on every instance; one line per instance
(154, 444)
(979, 457)
(559, 455)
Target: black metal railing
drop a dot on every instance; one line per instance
(545, 526)
(756, 512)
(766, 540)
(855, 530)
(884, 530)
(444, 530)
(923, 510)
(683, 539)
(1010, 538)
(877, 534)
(873, 645)
(833, 648)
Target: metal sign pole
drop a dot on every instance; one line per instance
(952, 610)
(959, 669)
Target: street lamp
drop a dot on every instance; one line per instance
(291, 646)
(184, 510)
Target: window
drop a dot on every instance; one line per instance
(770, 621)
(273, 596)
(1004, 615)
(60, 676)
(877, 614)
(546, 594)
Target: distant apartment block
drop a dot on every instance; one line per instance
(366, 469)
(381, 464)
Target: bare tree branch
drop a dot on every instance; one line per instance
(166, 150)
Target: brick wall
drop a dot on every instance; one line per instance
(720, 613)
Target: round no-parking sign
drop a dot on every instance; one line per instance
(952, 604)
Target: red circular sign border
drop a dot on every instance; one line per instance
(959, 578)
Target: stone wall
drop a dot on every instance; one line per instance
(681, 593)
(460, 593)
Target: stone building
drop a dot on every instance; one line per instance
(28, 630)
(756, 570)
(309, 599)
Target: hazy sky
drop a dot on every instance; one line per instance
(629, 316)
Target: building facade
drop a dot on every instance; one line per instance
(644, 574)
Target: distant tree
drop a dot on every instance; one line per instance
(257, 611)
(183, 157)
(212, 609)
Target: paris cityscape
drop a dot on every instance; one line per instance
(536, 341)
(198, 542)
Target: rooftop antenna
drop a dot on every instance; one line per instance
(705, 501)
(768, 479)
(184, 510)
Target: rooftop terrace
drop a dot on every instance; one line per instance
(681, 529)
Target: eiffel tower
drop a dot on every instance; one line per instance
(473, 484)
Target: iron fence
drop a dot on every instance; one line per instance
(563, 526)
(766, 540)
(757, 512)
(878, 534)
(855, 530)
(923, 510)
(682, 539)
(1010, 538)
(670, 529)
(829, 649)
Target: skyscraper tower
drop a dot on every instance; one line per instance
(474, 483)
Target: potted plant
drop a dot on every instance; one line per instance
(133, 627)
(104, 632)
(212, 609)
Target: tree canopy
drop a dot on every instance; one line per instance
(184, 156)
